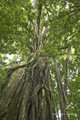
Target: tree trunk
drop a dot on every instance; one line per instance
(28, 96)
(61, 90)
(67, 72)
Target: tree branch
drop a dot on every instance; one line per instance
(39, 15)
(11, 70)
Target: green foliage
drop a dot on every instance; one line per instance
(62, 21)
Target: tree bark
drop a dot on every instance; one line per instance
(67, 72)
(61, 90)
(28, 96)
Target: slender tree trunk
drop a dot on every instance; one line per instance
(67, 72)
(61, 90)
(28, 96)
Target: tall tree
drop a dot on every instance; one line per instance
(43, 36)
(29, 95)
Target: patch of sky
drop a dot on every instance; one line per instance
(33, 2)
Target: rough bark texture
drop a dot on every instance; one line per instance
(28, 96)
